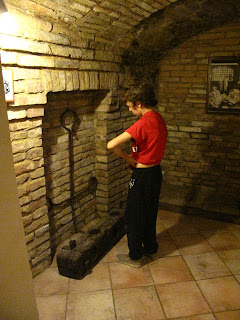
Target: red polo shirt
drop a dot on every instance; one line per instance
(150, 137)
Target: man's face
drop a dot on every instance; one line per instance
(135, 109)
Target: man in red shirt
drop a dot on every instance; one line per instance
(148, 136)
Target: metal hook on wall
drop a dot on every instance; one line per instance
(69, 120)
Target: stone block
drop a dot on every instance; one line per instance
(20, 44)
(69, 81)
(35, 112)
(14, 115)
(36, 224)
(47, 80)
(84, 80)
(78, 258)
(103, 55)
(41, 266)
(35, 133)
(94, 80)
(23, 167)
(20, 99)
(108, 80)
(190, 129)
(76, 83)
(52, 38)
(24, 200)
(39, 232)
(42, 256)
(24, 145)
(27, 220)
(87, 54)
(24, 74)
(90, 65)
(23, 99)
(19, 86)
(33, 86)
(38, 193)
(35, 184)
(62, 80)
(66, 51)
(28, 60)
(34, 205)
(179, 134)
(38, 213)
(37, 173)
(19, 157)
(29, 237)
(61, 63)
(9, 58)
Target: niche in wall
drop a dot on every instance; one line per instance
(69, 131)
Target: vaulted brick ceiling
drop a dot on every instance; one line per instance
(107, 18)
(147, 27)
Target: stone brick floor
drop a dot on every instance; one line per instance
(196, 278)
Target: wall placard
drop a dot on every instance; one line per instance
(8, 85)
(223, 85)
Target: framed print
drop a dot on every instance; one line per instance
(223, 86)
(8, 84)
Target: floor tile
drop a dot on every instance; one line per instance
(99, 279)
(189, 244)
(198, 317)
(170, 269)
(52, 307)
(90, 306)
(235, 229)
(222, 240)
(222, 294)
(206, 265)
(164, 215)
(205, 249)
(127, 277)
(182, 299)
(160, 228)
(204, 224)
(229, 315)
(182, 227)
(120, 247)
(137, 304)
(124, 238)
(231, 259)
(166, 246)
(104, 259)
(50, 282)
(171, 220)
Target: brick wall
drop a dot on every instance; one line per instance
(203, 150)
(57, 159)
(47, 58)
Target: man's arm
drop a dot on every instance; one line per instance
(115, 146)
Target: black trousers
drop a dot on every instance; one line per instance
(141, 210)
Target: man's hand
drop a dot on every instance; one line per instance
(128, 158)
(115, 146)
(131, 161)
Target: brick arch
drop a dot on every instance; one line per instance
(175, 24)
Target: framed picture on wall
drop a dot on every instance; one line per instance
(223, 85)
(8, 84)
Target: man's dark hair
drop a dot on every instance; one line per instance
(143, 93)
